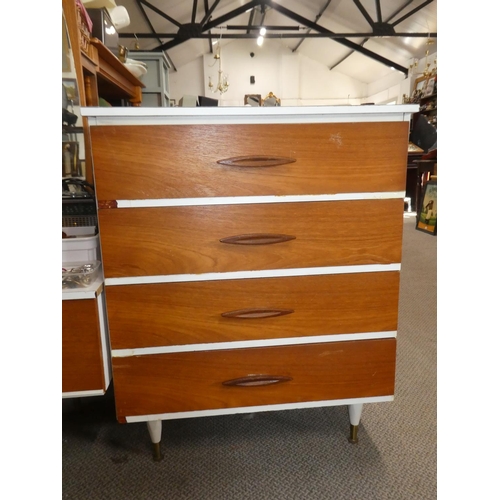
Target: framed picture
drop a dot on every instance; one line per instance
(427, 215)
(429, 87)
(71, 90)
(253, 99)
(420, 84)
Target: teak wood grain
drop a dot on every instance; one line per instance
(180, 161)
(186, 240)
(165, 383)
(189, 313)
(82, 364)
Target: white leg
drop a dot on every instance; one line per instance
(154, 429)
(354, 418)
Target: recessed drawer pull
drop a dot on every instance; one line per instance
(256, 313)
(255, 380)
(256, 161)
(257, 239)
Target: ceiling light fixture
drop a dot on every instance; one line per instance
(260, 39)
(427, 72)
(222, 83)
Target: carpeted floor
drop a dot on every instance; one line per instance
(297, 454)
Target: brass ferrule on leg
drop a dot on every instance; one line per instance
(157, 456)
(353, 437)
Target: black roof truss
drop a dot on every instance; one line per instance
(201, 30)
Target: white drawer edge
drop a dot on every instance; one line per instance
(272, 273)
(246, 200)
(105, 347)
(254, 409)
(90, 292)
(247, 114)
(245, 344)
(83, 394)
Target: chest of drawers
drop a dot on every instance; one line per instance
(251, 257)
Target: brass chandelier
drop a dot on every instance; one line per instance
(428, 72)
(222, 83)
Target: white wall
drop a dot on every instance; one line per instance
(187, 80)
(294, 78)
(394, 86)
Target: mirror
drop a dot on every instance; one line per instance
(271, 100)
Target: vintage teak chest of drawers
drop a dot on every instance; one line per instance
(251, 257)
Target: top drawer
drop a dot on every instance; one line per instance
(181, 161)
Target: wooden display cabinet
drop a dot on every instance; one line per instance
(99, 74)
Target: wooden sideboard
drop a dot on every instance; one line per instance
(86, 363)
(107, 77)
(251, 257)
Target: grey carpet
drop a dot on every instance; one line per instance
(296, 454)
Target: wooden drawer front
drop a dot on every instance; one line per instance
(82, 364)
(186, 240)
(192, 312)
(165, 383)
(180, 161)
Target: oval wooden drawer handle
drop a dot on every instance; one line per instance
(256, 161)
(256, 380)
(256, 313)
(257, 239)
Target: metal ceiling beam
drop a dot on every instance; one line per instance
(197, 30)
(234, 13)
(343, 41)
(403, 7)
(207, 16)
(256, 27)
(208, 11)
(255, 22)
(187, 32)
(365, 13)
(193, 15)
(146, 18)
(383, 26)
(236, 36)
(416, 9)
(315, 20)
(161, 13)
(379, 11)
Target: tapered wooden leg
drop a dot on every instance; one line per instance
(154, 429)
(354, 418)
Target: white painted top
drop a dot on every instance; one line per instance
(248, 114)
(88, 292)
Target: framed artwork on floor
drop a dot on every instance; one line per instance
(427, 214)
(252, 100)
